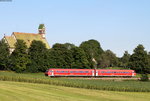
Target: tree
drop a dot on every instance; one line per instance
(104, 61)
(67, 56)
(112, 57)
(139, 60)
(79, 58)
(60, 56)
(69, 46)
(19, 57)
(108, 59)
(125, 59)
(38, 56)
(4, 54)
(93, 51)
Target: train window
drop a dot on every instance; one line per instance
(64, 71)
(102, 72)
(72, 71)
(86, 72)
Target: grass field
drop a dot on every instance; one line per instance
(18, 91)
(128, 86)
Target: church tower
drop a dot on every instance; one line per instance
(42, 30)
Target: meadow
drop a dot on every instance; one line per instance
(109, 85)
(20, 91)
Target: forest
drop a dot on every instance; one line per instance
(89, 54)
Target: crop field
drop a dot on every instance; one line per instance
(109, 85)
(19, 91)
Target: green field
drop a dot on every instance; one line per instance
(109, 85)
(18, 91)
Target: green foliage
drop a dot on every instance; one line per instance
(139, 60)
(108, 59)
(38, 56)
(4, 54)
(93, 51)
(88, 55)
(60, 56)
(144, 77)
(69, 46)
(19, 58)
(124, 61)
(103, 61)
(67, 56)
(79, 58)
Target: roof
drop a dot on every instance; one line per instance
(11, 41)
(41, 26)
(29, 37)
(70, 69)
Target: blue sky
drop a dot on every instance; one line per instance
(118, 25)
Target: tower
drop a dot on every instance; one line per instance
(42, 30)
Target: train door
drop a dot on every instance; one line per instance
(96, 74)
(52, 72)
(132, 73)
(93, 74)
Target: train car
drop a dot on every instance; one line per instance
(115, 73)
(70, 72)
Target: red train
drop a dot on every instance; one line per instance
(89, 72)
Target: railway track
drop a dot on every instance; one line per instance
(114, 78)
(101, 78)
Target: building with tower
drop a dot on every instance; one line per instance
(26, 37)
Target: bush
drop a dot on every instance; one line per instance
(144, 77)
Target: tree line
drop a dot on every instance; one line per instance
(89, 54)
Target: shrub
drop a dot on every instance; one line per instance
(144, 77)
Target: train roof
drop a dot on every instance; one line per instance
(114, 69)
(92, 69)
(68, 69)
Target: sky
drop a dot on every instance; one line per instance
(119, 25)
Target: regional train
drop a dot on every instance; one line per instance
(89, 73)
